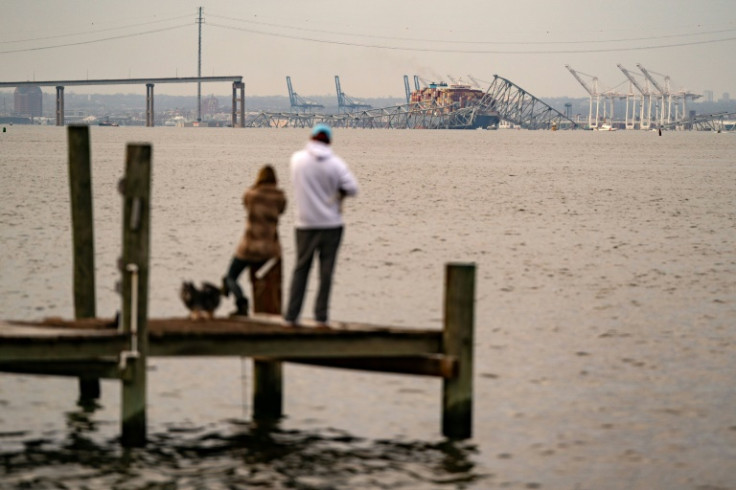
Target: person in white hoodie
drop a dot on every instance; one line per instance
(320, 180)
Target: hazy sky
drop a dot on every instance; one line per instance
(371, 45)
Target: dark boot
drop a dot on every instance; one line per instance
(242, 307)
(225, 289)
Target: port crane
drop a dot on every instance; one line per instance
(684, 95)
(592, 91)
(665, 98)
(297, 102)
(345, 103)
(407, 88)
(645, 118)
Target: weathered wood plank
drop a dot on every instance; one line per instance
(136, 258)
(38, 347)
(268, 390)
(268, 374)
(254, 325)
(258, 337)
(280, 346)
(80, 191)
(107, 369)
(434, 365)
(457, 392)
(267, 291)
(55, 328)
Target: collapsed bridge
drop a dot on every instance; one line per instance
(502, 101)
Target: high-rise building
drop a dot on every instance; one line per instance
(708, 95)
(28, 101)
(726, 97)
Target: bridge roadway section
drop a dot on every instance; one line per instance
(238, 110)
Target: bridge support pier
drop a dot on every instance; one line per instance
(238, 86)
(59, 106)
(149, 105)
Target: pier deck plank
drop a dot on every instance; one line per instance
(261, 336)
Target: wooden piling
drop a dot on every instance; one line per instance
(268, 394)
(457, 392)
(267, 290)
(136, 189)
(83, 243)
(268, 381)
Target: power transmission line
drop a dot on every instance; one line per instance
(95, 31)
(472, 51)
(122, 36)
(435, 40)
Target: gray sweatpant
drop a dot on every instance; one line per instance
(309, 242)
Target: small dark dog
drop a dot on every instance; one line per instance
(201, 303)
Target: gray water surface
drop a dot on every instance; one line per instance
(605, 308)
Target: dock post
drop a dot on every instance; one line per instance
(267, 374)
(83, 243)
(136, 189)
(457, 392)
(268, 394)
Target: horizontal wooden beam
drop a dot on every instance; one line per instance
(435, 365)
(106, 369)
(370, 344)
(26, 343)
(93, 339)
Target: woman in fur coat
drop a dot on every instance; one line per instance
(264, 202)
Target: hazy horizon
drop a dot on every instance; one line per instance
(371, 46)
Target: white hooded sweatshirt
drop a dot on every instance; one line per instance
(318, 176)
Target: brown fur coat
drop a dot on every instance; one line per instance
(263, 203)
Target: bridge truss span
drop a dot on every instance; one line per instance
(519, 107)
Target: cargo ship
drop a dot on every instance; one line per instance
(456, 99)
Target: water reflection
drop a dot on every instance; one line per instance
(235, 454)
(81, 424)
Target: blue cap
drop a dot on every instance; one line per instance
(322, 128)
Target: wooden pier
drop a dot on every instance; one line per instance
(91, 348)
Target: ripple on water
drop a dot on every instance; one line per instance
(232, 454)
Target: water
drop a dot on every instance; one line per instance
(605, 307)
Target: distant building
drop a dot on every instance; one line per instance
(708, 95)
(28, 101)
(210, 106)
(726, 97)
